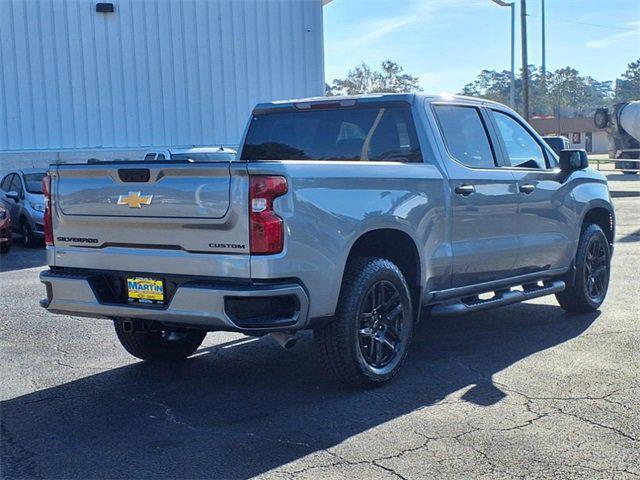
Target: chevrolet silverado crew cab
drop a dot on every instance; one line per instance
(346, 215)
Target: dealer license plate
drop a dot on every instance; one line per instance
(145, 290)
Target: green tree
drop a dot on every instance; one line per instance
(568, 90)
(329, 90)
(564, 91)
(489, 84)
(628, 87)
(363, 79)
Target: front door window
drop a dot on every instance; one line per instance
(523, 151)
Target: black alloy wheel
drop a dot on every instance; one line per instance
(587, 288)
(380, 333)
(596, 269)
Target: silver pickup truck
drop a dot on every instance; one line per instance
(351, 216)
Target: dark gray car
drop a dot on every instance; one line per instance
(346, 215)
(21, 195)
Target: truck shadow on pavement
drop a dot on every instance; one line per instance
(241, 409)
(631, 237)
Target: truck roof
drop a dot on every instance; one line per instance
(349, 100)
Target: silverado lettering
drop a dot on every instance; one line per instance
(77, 240)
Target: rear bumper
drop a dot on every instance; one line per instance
(195, 304)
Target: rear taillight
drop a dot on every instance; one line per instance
(48, 225)
(266, 228)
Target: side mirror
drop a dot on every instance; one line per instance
(572, 160)
(13, 196)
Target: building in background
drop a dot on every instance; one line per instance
(84, 79)
(580, 131)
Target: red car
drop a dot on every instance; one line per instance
(5, 231)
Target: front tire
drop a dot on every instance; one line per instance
(593, 265)
(28, 240)
(159, 346)
(367, 342)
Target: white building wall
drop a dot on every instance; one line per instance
(153, 73)
(600, 142)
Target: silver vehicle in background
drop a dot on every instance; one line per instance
(196, 154)
(21, 195)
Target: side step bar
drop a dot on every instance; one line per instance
(473, 303)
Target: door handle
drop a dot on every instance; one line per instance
(527, 188)
(465, 190)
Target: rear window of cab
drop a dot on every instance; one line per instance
(379, 133)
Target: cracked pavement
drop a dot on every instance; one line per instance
(524, 391)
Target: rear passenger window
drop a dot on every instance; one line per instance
(366, 133)
(465, 135)
(522, 149)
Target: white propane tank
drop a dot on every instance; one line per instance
(629, 118)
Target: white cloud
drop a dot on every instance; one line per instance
(616, 37)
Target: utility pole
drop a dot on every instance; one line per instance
(544, 54)
(512, 89)
(512, 93)
(525, 63)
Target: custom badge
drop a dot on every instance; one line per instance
(135, 200)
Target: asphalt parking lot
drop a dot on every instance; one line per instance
(525, 391)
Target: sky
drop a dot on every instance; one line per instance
(446, 43)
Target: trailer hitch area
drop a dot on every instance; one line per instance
(131, 325)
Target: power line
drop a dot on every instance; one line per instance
(627, 29)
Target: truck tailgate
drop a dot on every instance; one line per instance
(139, 213)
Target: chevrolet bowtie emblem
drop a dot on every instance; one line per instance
(135, 200)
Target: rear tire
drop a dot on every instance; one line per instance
(593, 266)
(159, 346)
(367, 342)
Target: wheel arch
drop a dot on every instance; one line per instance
(603, 215)
(397, 246)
